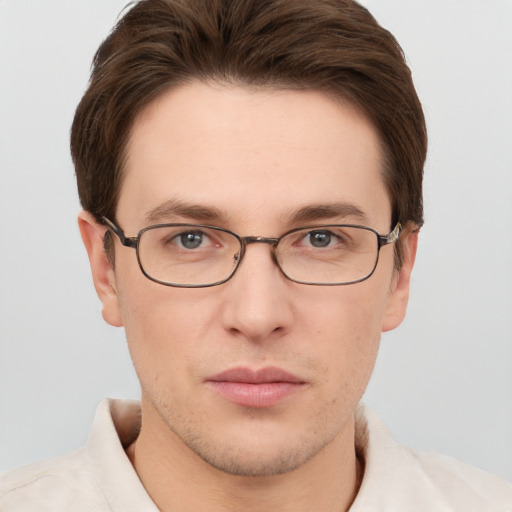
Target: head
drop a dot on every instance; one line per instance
(253, 116)
(331, 46)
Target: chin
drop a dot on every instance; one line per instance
(255, 464)
(256, 455)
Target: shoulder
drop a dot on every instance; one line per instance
(97, 478)
(461, 483)
(60, 484)
(397, 478)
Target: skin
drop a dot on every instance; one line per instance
(257, 157)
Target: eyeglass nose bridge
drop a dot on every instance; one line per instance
(259, 240)
(248, 240)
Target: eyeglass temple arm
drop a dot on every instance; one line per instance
(126, 241)
(392, 237)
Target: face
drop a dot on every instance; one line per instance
(258, 375)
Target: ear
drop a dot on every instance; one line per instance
(399, 297)
(102, 270)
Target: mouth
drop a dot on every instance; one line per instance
(255, 389)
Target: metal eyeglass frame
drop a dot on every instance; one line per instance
(133, 242)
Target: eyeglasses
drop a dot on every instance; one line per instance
(196, 255)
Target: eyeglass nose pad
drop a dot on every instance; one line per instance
(273, 255)
(239, 256)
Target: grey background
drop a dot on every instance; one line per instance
(443, 380)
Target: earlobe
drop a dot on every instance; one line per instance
(102, 270)
(399, 297)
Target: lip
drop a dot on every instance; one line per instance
(261, 388)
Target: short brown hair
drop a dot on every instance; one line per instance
(334, 46)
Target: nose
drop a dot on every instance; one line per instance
(258, 303)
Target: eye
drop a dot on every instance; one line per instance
(190, 239)
(321, 238)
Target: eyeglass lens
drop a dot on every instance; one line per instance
(191, 255)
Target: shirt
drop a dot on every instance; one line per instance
(100, 478)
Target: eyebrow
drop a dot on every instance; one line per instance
(173, 208)
(328, 211)
(176, 208)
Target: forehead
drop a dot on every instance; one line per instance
(251, 154)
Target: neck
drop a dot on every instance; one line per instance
(179, 480)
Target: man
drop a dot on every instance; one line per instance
(250, 174)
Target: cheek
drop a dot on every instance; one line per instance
(165, 327)
(347, 331)
(150, 315)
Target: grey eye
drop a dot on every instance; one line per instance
(320, 238)
(191, 240)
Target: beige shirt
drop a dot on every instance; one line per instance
(100, 478)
